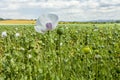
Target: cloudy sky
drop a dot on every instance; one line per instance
(67, 10)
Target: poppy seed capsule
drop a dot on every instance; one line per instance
(60, 31)
(86, 49)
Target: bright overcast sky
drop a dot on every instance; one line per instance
(67, 10)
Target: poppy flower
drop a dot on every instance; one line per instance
(4, 34)
(17, 35)
(46, 22)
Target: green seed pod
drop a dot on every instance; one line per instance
(86, 49)
(60, 31)
(97, 51)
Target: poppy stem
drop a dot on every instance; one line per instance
(60, 57)
(49, 43)
(59, 42)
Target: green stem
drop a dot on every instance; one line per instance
(59, 43)
(60, 56)
(48, 41)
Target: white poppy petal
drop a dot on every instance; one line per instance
(55, 25)
(40, 29)
(42, 20)
(53, 18)
(37, 28)
(38, 22)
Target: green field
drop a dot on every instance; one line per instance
(70, 52)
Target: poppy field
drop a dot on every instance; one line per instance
(70, 52)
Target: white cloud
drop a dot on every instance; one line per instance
(53, 4)
(110, 1)
(66, 9)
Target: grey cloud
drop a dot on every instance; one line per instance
(109, 5)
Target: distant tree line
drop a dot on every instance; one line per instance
(118, 21)
(1, 19)
(90, 22)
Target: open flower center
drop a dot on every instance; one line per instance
(49, 26)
